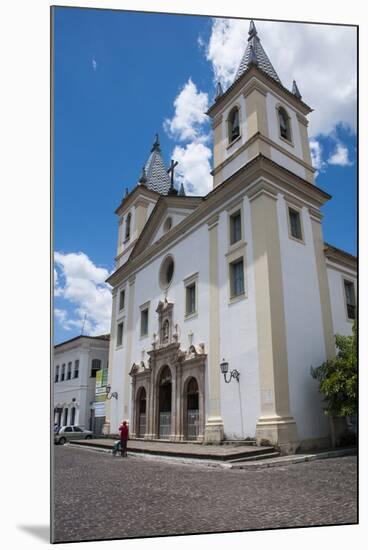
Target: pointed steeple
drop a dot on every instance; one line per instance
(181, 190)
(255, 55)
(154, 175)
(295, 90)
(252, 57)
(156, 145)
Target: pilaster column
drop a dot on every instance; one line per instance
(275, 424)
(214, 430)
(324, 291)
(112, 344)
(128, 353)
(256, 112)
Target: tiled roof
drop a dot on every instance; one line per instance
(254, 53)
(155, 175)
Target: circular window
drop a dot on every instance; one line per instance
(167, 224)
(166, 272)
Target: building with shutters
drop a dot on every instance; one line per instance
(240, 279)
(76, 363)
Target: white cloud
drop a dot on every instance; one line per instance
(94, 64)
(83, 286)
(340, 157)
(190, 108)
(189, 125)
(322, 60)
(316, 150)
(194, 168)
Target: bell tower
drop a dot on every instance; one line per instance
(257, 114)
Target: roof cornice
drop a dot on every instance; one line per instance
(340, 256)
(138, 191)
(245, 178)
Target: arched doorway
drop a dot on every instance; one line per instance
(164, 404)
(192, 412)
(142, 419)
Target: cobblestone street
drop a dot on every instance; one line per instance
(101, 497)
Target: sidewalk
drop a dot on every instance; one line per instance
(221, 453)
(238, 457)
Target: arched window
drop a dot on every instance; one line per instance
(284, 123)
(127, 226)
(233, 124)
(57, 374)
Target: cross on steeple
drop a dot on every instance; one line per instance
(172, 190)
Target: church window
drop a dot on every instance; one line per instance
(57, 373)
(166, 272)
(284, 124)
(144, 322)
(121, 299)
(190, 299)
(69, 371)
(295, 224)
(119, 339)
(167, 224)
(235, 227)
(127, 226)
(349, 299)
(96, 366)
(233, 124)
(76, 368)
(237, 278)
(62, 378)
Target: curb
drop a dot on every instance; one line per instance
(294, 459)
(248, 465)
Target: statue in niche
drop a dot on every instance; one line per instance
(165, 332)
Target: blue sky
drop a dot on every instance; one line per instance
(120, 77)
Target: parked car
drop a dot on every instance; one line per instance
(67, 433)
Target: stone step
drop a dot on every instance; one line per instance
(263, 456)
(239, 442)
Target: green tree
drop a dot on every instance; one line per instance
(338, 378)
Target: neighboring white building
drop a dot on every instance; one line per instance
(76, 363)
(242, 274)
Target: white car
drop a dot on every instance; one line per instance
(67, 433)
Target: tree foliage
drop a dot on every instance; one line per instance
(338, 377)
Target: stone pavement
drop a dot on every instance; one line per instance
(98, 496)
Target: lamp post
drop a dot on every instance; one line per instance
(113, 394)
(224, 366)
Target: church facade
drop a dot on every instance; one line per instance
(222, 303)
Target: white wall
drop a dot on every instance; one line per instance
(336, 275)
(238, 339)
(240, 402)
(304, 329)
(82, 389)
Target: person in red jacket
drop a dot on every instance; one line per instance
(124, 435)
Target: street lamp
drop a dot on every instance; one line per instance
(113, 394)
(224, 366)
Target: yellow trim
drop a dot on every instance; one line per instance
(324, 290)
(275, 422)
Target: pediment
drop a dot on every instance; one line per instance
(168, 213)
